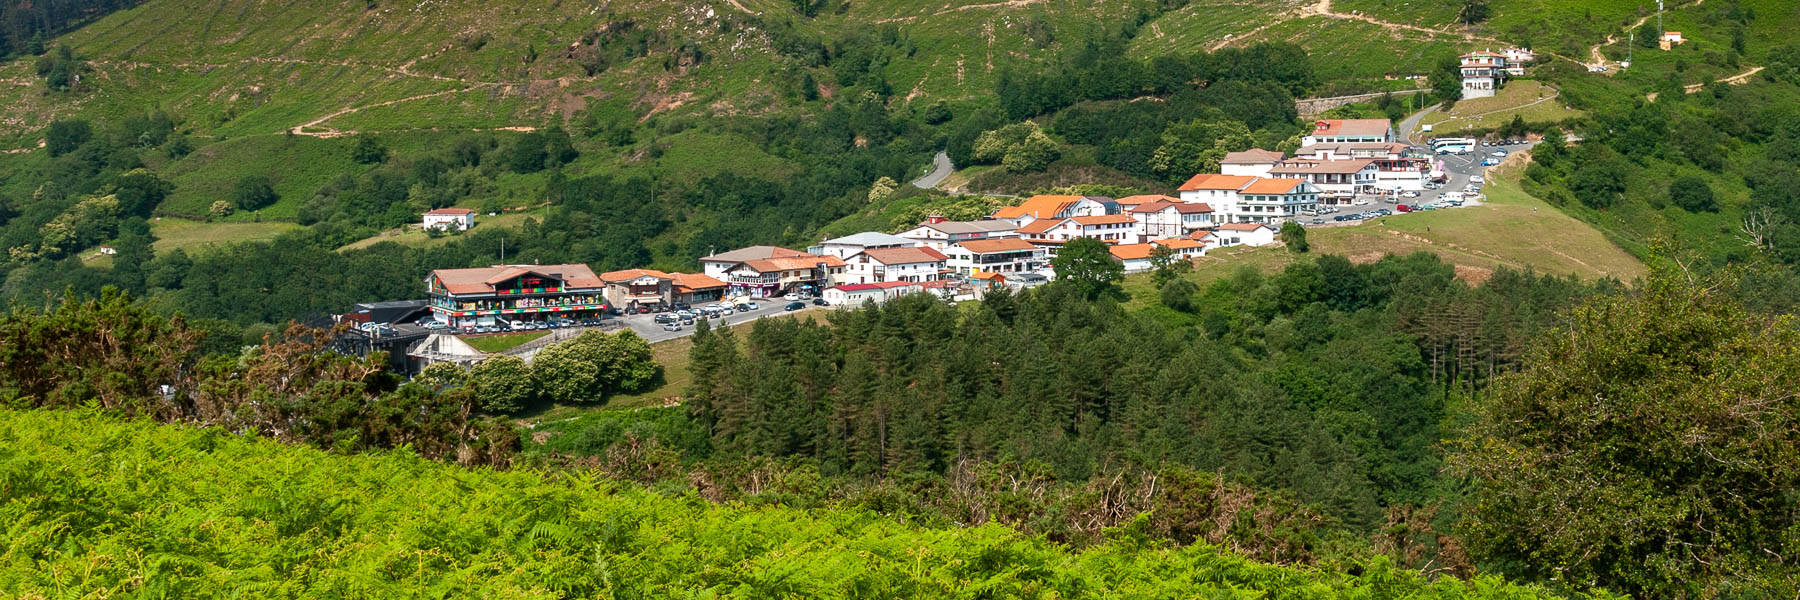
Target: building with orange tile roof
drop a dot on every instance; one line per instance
(1054, 206)
(480, 296)
(1009, 255)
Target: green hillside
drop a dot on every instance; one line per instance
(101, 506)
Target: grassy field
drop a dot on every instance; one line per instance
(411, 236)
(172, 233)
(505, 341)
(1511, 230)
(1530, 100)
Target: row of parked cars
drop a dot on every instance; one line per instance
(504, 326)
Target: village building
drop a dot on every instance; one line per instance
(911, 264)
(1329, 131)
(1516, 59)
(1338, 180)
(1670, 39)
(462, 297)
(939, 234)
(1005, 255)
(1254, 162)
(1171, 218)
(695, 289)
(856, 294)
(849, 245)
(1483, 73)
(1244, 234)
(449, 219)
(1245, 199)
(631, 289)
(717, 265)
(779, 276)
(1050, 206)
(1216, 190)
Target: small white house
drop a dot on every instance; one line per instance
(458, 219)
(1245, 234)
(854, 295)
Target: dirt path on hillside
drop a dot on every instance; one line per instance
(1322, 8)
(1738, 79)
(328, 132)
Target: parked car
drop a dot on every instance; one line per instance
(748, 306)
(687, 320)
(665, 318)
(1318, 221)
(1403, 208)
(1410, 194)
(790, 297)
(1488, 162)
(671, 327)
(1477, 179)
(643, 310)
(681, 306)
(1500, 152)
(796, 305)
(819, 302)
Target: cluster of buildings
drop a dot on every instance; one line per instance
(1485, 71)
(1245, 203)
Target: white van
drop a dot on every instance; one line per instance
(1458, 196)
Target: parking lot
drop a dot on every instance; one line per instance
(1458, 172)
(646, 325)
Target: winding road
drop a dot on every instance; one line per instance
(941, 169)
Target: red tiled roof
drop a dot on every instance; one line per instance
(1040, 226)
(482, 280)
(692, 282)
(1215, 181)
(1131, 251)
(1043, 206)
(901, 256)
(1142, 199)
(1152, 206)
(630, 274)
(1273, 185)
(1192, 208)
(450, 211)
(879, 285)
(1104, 220)
(1179, 243)
(993, 246)
(792, 263)
(985, 275)
(1244, 226)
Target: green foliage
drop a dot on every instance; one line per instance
(257, 516)
(63, 137)
(503, 384)
(594, 365)
(254, 193)
(1294, 235)
(1168, 265)
(368, 150)
(1446, 80)
(1693, 194)
(1019, 147)
(1178, 294)
(1087, 267)
(62, 70)
(1649, 448)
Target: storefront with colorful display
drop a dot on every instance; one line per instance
(464, 297)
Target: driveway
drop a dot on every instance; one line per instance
(1409, 127)
(941, 168)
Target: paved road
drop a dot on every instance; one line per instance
(941, 169)
(1410, 125)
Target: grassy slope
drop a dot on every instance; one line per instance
(507, 341)
(1530, 100)
(1512, 230)
(172, 233)
(129, 508)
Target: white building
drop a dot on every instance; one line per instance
(1046, 206)
(1121, 229)
(1136, 257)
(1328, 131)
(855, 295)
(849, 245)
(910, 264)
(939, 234)
(1338, 180)
(1245, 234)
(1254, 162)
(717, 265)
(450, 219)
(1164, 219)
(1005, 255)
(1482, 74)
(1241, 199)
(1516, 59)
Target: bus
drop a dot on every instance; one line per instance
(1453, 145)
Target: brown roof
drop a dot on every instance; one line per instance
(753, 253)
(630, 274)
(901, 256)
(1104, 220)
(993, 246)
(692, 282)
(1253, 156)
(1040, 226)
(1042, 206)
(1244, 226)
(1179, 243)
(450, 211)
(1272, 185)
(1352, 127)
(988, 275)
(792, 263)
(1142, 199)
(1215, 181)
(482, 280)
(1323, 166)
(1131, 251)
(1191, 208)
(1152, 206)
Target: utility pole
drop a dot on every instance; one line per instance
(503, 250)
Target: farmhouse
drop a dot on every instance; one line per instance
(450, 219)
